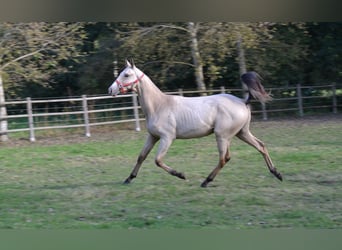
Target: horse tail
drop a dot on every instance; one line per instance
(255, 89)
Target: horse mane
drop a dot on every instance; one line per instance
(255, 89)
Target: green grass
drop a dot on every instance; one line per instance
(77, 183)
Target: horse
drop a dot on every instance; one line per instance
(170, 117)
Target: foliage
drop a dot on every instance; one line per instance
(170, 58)
(38, 53)
(284, 54)
(94, 75)
(326, 49)
(35, 53)
(280, 59)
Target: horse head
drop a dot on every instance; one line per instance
(127, 80)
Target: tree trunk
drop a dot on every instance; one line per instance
(3, 113)
(196, 56)
(241, 56)
(242, 63)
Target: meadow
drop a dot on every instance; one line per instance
(66, 181)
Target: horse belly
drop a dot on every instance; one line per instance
(193, 133)
(193, 127)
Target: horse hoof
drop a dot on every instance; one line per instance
(204, 184)
(127, 181)
(206, 181)
(277, 174)
(181, 176)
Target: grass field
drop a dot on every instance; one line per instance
(74, 182)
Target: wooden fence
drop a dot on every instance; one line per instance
(87, 111)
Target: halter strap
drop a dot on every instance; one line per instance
(124, 85)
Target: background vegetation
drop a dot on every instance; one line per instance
(64, 59)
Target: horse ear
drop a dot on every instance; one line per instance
(128, 63)
(132, 62)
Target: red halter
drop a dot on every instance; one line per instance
(125, 87)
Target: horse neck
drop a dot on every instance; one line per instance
(150, 96)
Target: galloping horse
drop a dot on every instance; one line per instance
(171, 117)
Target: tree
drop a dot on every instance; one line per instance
(222, 46)
(281, 59)
(33, 51)
(326, 52)
(205, 47)
(171, 43)
(100, 47)
(196, 57)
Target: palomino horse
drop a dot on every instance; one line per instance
(171, 117)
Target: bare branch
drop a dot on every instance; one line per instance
(171, 62)
(173, 27)
(39, 43)
(143, 31)
(22, 57)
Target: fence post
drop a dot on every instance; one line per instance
(3, 122)
(300, 100)
(180, 92)
(264, 111)
(223, 90)
(136, 112)
(86, 115)
(334, 99)
(30, 119)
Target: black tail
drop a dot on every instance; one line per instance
(255, 88)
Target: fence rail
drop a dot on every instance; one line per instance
(32, 115)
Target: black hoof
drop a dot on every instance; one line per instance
(205, 183)
(277, 174)
(129, 179)
(179, 175)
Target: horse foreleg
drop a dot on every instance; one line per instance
(150, 142)
(224, 157)
(164, 145)
(247, 137)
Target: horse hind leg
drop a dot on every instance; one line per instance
(246, 136)
(224, 157)
(164, 145)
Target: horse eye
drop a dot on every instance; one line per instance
(126, 75)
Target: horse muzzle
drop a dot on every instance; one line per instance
(114, 89)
